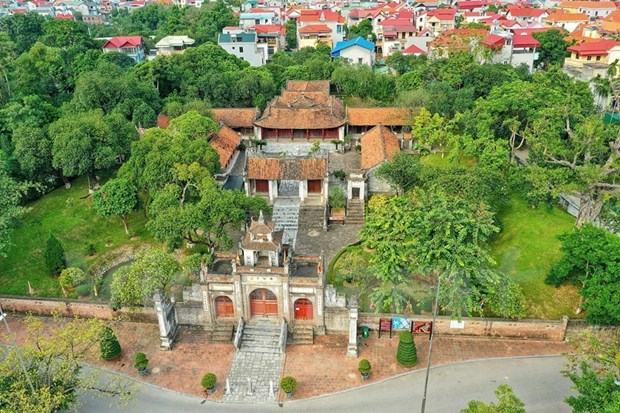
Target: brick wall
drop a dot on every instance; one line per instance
(336, 320)
(191, 314)
(486, 327)
(71, 308)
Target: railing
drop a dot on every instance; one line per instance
(239, 333)
(283, 336)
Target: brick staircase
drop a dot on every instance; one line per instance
(312, 217)
(223, 332)
(355, 212)
(303, 333)
(286, 216)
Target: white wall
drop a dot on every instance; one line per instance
(354, 53)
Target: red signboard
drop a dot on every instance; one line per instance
(421, 327)
(385, 324)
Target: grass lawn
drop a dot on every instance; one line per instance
(526, 250)
(74, 222)
(435, 159)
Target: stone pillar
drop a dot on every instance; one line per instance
(286, 312)
(167, 320)
(273, 190)
(239, 303)
(353, 316)
(349, 189)
(303, 190)
(325, 194)
(246, 185)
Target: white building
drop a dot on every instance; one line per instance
(244, 45)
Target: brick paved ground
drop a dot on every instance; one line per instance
(320, 369)
(324, 367)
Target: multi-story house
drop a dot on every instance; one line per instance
(270, 38)
(394, 35)
(326, 18)
(437, 20)
(242, 44)
(170, 45)
(131, 46)
(565, 20)
(356, 51)
(592, 58)
(257, 16)
(594, 9)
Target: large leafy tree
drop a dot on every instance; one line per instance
(11, 193)
(591, 260)
(507, 402)
(134, 285)
(23, 29)
(66, 34)
(54, 368)
(597, 392)
(88, 142)
(582, 160)
(291, 34)
(362, 29)
(403, 172)
(118, 197)
(552, 50)
(43, 71)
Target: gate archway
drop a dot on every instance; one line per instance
(304, 309)
(224, 307)
(263, 303)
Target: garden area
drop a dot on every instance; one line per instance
(86, 237)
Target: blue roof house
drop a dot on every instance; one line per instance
(356, 51)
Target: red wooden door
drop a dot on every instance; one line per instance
(262, 185)
(303, 309)
(263, 302)
(314, 186)
(224, 307)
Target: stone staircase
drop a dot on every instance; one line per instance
(303, 333)
(355, 212)
(257, 365)
(312, 217)
(223, 332)
(286, 216)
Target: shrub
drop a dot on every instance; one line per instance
(140, 361)
(208, 381)
(340, 174)
(288, 384)
(364, 367)
(83, 290)
(406, 353)
(336, 198)
(54, 256)
(109, 345)
(90, 249)
(71, 277)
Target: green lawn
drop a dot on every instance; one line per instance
(435, 159)
(527, 248)
(73, 221)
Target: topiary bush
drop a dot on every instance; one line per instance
(54, 256)
(364, 367)
(406, 353)
(208, 381)
(109, 345)
(288, 384)
(140, 361)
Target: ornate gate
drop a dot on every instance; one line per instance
(303, 309)
(263, 303)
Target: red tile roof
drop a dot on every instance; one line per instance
(374, 116)
(413, 50)
(442, 14)
(524, 39)
(315, 28)
(225, 142)
(378, 144)
(308, 16)
(163, 121)
(494, 41)
(596, 48)
(286, 168)
(564, 16)
(269, 28)
(525, 11)
(235, 117)
(588, 4)
(124, 41)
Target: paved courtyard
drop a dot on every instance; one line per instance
(320, 369)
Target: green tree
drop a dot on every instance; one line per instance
(406, 353)
(42, 71)
(601, 295)
(8, 54)
(402, 172)
(134, 285)
(11, 193)
(71, 277)
(118, 197)
(88, 142)
(291, 34)
(508, 402)
(109, 347)
(33, 152)
(193, 125)
(66, 33)
(54, 256)
(597, 392)
(54, 363)
(552, 50)
(23, 29)
(363, 29)
(435, 131)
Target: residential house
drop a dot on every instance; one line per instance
(472, 6)
(592, 58)
(257, 16)
(334, 21)
(593, 9)
(170, 45)
(565, 20)
(131, 46)
(437, 21)
(413, 50)
(526, 14)
(270, 38)
(610, 25)
(313, 34)
(394, 35)
(524, 47)
(243, 45)
(356, 51)
(305, 110)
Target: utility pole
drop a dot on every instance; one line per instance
(17, 351)
(430, 346)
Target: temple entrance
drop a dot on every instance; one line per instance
(263, 303)
(303, 309)
(224, 307)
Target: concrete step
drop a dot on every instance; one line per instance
(223, 333)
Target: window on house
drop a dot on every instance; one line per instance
(256, 21)
(360, 60)
(589, 58)
(339, 29)
(598, 57)
(241, 49)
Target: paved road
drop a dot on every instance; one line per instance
(537, 381)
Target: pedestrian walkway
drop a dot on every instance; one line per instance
(286, 216)
(255, 372)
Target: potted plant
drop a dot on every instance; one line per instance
(141, 363)
(208, 382)
(364, 369)
(337, 201)
(288, 385)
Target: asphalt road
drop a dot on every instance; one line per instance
(537, 381)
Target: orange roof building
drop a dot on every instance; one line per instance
(225, 142)
(378, 145)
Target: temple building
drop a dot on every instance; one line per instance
(304, 111)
